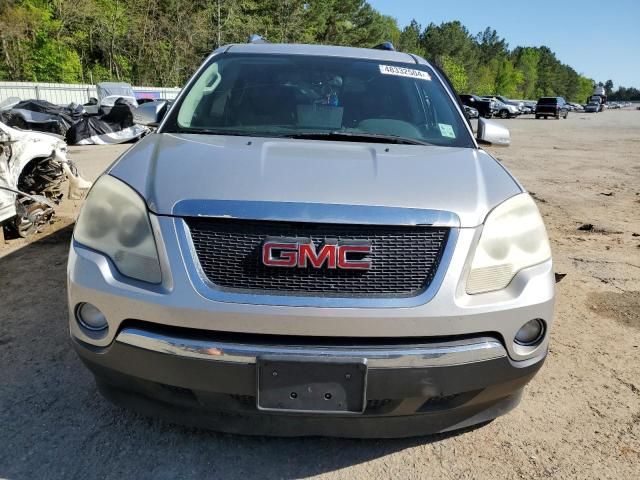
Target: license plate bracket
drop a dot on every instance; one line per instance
(311, 385)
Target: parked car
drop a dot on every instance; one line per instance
(601, 100)
(593, 106)
(471, 112)
(529, 107)
(338, 257)
(552, 107)
(519, 104)
(108, 94)
(486, 108)
(503, 110)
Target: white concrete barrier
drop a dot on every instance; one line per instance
(65, 93)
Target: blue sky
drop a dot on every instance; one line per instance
(599, 45)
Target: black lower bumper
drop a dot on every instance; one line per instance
(401, 402)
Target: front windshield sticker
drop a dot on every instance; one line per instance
(446, 130)
(404, 72)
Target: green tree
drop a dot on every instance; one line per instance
(508, 79)
(410, 40)
(456, 73)
(484, 82)
(161, 42)
(608, 86)
(527, 62)
(490, 45)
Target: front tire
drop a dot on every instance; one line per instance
(504, 114)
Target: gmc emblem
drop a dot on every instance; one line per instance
(302, 253)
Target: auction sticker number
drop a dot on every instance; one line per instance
(404, 72)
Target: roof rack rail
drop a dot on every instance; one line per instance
(255, 38)
(385, 46)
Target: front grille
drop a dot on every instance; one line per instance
(404, 259)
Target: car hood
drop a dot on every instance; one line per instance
(16, 135)
(169, 168)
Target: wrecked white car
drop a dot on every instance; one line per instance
(33, 169)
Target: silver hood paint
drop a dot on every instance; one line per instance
(168, 168)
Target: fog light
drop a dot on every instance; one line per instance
(91, 318)
(530, 333)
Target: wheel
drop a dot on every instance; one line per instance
(566, 114)
(503, 113)
(546, 116)
(537, 117)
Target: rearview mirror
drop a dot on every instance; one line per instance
(150, 113)
(493, 133)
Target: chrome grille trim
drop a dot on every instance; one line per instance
(315, 213)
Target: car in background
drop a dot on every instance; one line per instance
(486, 108)
(529, 107)
(592, 107)
(519, 104)
(504, 110)
(471, 112)
(552, 107)
(108, 94)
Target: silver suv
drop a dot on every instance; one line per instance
(312, 243)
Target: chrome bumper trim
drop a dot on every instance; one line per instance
(315, 213)
(393, 356)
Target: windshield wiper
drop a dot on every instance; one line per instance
(355, 137)
(335, 135)
(212, 131)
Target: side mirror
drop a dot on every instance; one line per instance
(493, 133)
(150, 113)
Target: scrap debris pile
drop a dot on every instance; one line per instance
(108, 120)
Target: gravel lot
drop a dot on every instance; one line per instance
(580, 417)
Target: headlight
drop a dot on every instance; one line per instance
(513, 238)
(114, 221)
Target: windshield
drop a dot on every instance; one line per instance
(298, 95)
(548, 101)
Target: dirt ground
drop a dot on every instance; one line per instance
(580, 417)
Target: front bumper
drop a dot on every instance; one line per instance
(183, 352)
(184, 300)
(209, 380)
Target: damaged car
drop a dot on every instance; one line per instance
(33, 169)
(109, 121)
(114, 127)
(41, 116)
